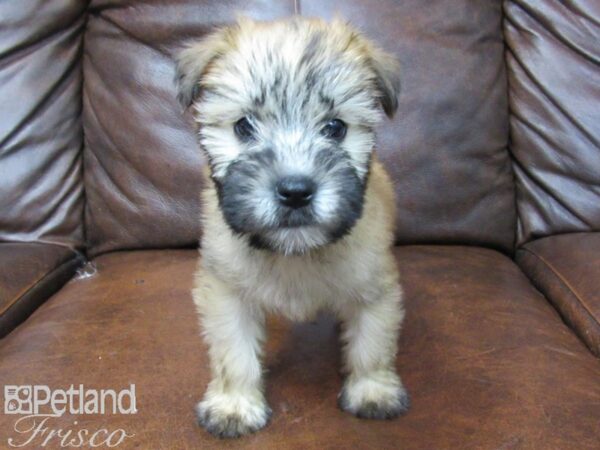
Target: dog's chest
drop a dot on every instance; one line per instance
(299, 287)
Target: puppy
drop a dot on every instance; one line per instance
(298, 213)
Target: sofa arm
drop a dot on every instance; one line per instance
(29, 274)
(566, 269)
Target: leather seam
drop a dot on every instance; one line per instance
(39, 281)
(39, 241)
(565, 283)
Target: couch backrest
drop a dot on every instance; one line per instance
(41, 185)
(446, 148)
(142, 162)
(553, 60)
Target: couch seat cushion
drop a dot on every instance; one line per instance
(488, 362)
(29, 274)
(566, 269)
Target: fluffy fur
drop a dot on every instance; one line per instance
(289, 79)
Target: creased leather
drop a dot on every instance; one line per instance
(566, 269)
(29, 274)
(446, 150)
(142, 162)
(553, 59)
(41, 186)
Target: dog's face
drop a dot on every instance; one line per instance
(287, 112)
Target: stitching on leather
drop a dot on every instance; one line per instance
(565, 283)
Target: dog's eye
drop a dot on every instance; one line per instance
(335, 129)
(244, 129)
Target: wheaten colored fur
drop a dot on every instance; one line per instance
(354, 276)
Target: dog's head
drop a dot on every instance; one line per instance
(287, 112)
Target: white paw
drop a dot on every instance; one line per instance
(377, 396)
(232, 415)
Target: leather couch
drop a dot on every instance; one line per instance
(495, 155)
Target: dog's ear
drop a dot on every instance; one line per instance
(193, 61)
(385, 66)
(387, 79)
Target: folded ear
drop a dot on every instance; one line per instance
(194, 60)
(387, 79)
(385, 66)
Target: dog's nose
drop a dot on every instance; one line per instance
(295, 191)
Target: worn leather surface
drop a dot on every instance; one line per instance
(566, 269)
(41, 188)
(29, 274)
(553, 62)
(446, 150)
(487, 360)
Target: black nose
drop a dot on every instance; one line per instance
(295, 191)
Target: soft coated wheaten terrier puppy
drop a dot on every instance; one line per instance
(298, 213)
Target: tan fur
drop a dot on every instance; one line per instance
(355, 277)
(343, 267)
(358, 272)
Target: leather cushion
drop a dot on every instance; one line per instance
(29, 274)
(446, 149)
(553, 62)
(488, 362)
(41, 184)
(566, 269)
(142, 162)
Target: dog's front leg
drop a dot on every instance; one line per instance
(372, 388)
(233, 404)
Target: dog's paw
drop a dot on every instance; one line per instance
(378, 396)
(231, 416)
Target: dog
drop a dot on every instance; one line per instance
(298, 213)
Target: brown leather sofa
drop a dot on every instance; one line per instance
(495, 154)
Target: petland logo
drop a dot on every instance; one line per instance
(38, 405)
